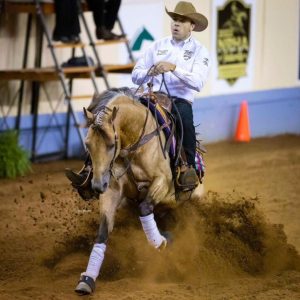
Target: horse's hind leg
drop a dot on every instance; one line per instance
(149, 225)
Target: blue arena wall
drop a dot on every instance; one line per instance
(271, 112)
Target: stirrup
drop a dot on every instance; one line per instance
(185, 187)
(85, 286)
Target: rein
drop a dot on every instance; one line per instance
(136, 146)
(114, 114)
(142, 140)
(179, 145)
(163, 82)
(144, 79)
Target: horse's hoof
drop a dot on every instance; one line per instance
(85, 286)
(168, 236)
(163, 245)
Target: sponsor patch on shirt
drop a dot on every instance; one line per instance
(162, 52)
(187, 54)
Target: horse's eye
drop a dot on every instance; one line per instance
(110, 146)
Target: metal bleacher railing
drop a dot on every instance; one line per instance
(38, 75)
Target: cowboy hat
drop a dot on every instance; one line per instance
(187, 10)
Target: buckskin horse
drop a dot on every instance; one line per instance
(124, 142)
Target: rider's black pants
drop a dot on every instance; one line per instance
(66, 22)
(189, 136)
(105, 13)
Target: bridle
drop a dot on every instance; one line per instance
(142, 140)
(124, 152)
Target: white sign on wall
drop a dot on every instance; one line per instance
(233, 43)
(143, 22)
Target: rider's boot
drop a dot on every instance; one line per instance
(80, 177)
(81, 181)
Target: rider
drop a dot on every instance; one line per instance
(184, 63)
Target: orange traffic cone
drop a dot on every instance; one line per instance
(242, 133)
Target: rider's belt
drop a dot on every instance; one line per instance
(178, 100)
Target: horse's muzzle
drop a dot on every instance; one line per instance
(100, 185)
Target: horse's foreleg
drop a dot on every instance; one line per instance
(86, 284)
(149, 225)
(97, 254)
(108, 206)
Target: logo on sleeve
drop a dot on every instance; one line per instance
(205, 61)
(187, 54)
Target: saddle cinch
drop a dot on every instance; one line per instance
(160, 106)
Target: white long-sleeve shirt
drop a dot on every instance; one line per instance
(192, 66)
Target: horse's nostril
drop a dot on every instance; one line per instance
(99, 188)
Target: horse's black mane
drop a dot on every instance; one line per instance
(100, 101)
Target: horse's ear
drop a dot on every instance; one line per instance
(114, 114)
(88, 115)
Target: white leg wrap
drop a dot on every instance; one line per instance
(150, 228)
(95, 261)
